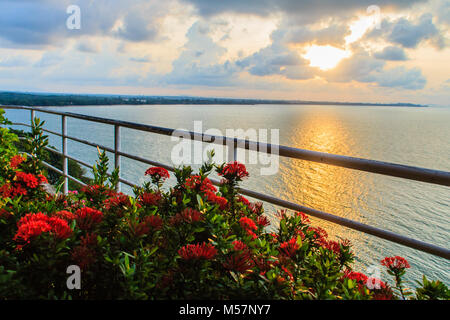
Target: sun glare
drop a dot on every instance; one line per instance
(325, 57)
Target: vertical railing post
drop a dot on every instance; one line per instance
(232, 151)
(116, 152)
(65, 153)
(32, 117)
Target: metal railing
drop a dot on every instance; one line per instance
(389, 169)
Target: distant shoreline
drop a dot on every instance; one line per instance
(68, 100)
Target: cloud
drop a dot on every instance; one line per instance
(89, 46)
(444, 12)
(145, 59)
(300, 11)
(277, 59)
(43, 22)
(411, 79)
(366, 69)
(391, 53)
(332, 35)
(14, 62)
(198, 62)
(410, 34)
(49, 59)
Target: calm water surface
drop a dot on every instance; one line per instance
(412, 136)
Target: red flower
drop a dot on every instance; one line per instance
(34, 224)
(332, 246)
(60, 228)
(290, 247)
(117, 201)
(395, 263)
(158, 173)
(66, 215)
(92, 191)
(83, 257)
(87, 217)
(263, 221)
(42, 179)
(16, 161)
(11, 191)
(5, 214)
(188, 215)
(221, 201)
(234, 170)
(256, 207)
(196, 182)
(240, 258)
(305, 218)
(243, 200)
(28, 179)
(319, 234)
(148, 223)
(198, 251)
(150, 199)
(359, 277)
(249, 226)
(247, 223)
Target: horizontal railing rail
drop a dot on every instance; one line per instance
(373, 166)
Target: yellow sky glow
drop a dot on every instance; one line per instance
(325, 57)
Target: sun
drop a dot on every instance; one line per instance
(325, 57)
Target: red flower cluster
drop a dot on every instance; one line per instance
(16, 161)
(11, 191)
(249, 226)
(22, 181)
(363, 280)
(290, 247)
(332, 246)
(84, 255)
(240, 259)
(395, 263)
(256, 207)
(66, 215)
(198, 251)
(359, 277)
(195, 182)
(212, 197)
(234, 170)
(319, 234)
(118, 201)
(263, 221)
(188, 215)
(305, 218)
(27, 179)
(157, 173)
(148, 223)
(87, 217)
(34, 224)
(150, 199)
(243, 200)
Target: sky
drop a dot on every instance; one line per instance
(346, 50)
